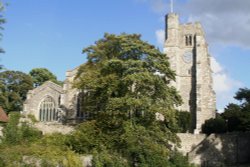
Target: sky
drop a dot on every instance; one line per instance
(52, 33)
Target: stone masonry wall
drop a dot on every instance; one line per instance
(216, 150)
(189, 141)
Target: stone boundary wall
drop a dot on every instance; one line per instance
(49, 128)
(189, 141)
(216, 150)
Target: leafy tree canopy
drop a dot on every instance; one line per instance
(41, 75)
(243, 95)
(127, 78)
(14, 86)
(125, 82)
(236, 117)
(214, 125)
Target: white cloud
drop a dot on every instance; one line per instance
(216, 67)
(160, 36)
(223, 84)
(225, 21)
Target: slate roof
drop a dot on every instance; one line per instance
(3, 115)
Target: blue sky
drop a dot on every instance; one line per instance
(52, 33)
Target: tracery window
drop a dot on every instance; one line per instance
(47, 110)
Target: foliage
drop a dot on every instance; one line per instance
(183, 121)
(214, 125)
(14, 86)
(32, 118)
(238, 115)
(125, 83)
(49, 150)
(243, 95)
(134, 146)
(127, 79)
(15, 133)
(41, 75)
(178, 160)
(10, 132)
(105, 158)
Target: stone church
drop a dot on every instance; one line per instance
(187, 50)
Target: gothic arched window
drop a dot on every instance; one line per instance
(47, 110)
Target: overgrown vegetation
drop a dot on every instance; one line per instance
(23, 145)
(183, 121)
(236, 117)
(125, 82)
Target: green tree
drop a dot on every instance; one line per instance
(237, 116)
(183, 121)
(214, 125)
(125, 83)
(127, 78)
(41, 75)
(14, 86)
(243, 95)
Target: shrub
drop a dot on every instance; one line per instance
(183, 121)
(14, 133)
(214, 125)
(178, 160)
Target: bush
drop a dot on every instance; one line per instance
(214, 125)
(183, 121)
(178, 160)
(32, 118)
(11, 134)
(14, 133)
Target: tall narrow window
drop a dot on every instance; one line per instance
(188, 40)
(47, 110)
(81, 102)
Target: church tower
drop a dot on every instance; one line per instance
(187, 50)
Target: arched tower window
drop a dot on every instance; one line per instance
(47, 110)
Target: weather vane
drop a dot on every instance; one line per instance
(172, 6)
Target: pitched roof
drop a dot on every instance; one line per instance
(3, 116)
